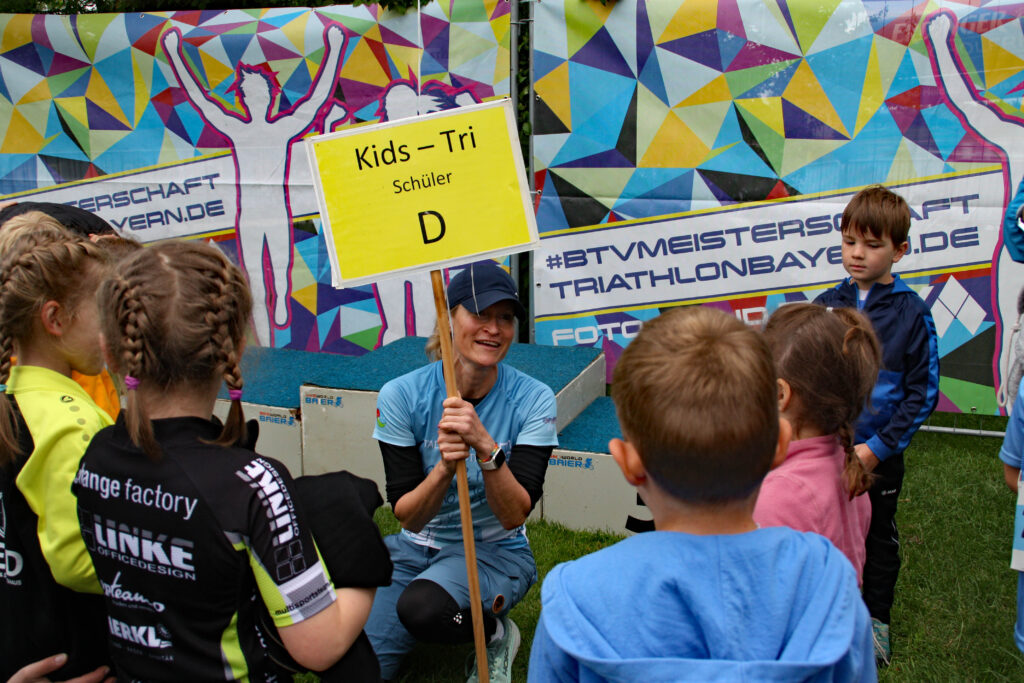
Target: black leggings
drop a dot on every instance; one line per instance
(431, 615)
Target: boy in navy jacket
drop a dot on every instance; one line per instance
(875, 226)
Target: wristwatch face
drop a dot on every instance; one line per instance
(494, 463)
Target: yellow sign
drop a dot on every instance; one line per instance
(431, 191)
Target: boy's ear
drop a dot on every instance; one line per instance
(628, 459)
(51, 315)
(785, 434)
(901, 249)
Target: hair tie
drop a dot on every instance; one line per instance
(131, 383)
(3, 388)
(235, 394)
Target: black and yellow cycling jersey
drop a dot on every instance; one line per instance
(48, 588)
(191, 548)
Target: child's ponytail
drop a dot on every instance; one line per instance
(9, 325)
(857, 479)
(9, 448)
(863, 353)
(131, 321)
(220, 318)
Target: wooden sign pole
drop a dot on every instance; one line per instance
(475, 149)
(462, 481)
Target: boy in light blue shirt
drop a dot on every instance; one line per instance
(707, 595)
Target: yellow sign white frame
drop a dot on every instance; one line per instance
(425, 192)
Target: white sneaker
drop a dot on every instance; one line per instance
(500, 655)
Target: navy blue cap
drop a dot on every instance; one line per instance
(79, 221)
(484, 284)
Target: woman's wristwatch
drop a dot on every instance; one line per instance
(493, 461)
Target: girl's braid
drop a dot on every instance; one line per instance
(8, 319)
(222, 311)
(857, 479)
(133, 322)
(862, 354)
(223, 305)
(9, 448)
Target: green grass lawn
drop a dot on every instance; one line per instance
(956, 598)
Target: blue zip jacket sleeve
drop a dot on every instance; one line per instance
(908, 384)
(1013, 228)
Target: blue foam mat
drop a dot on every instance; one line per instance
(273, 376)
(593, 429)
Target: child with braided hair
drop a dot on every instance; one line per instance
(193, 536)
(70, 221)
(827, 360)
(49, 591)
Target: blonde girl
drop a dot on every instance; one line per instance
(101, 388)
(226, 540)
(49, 592)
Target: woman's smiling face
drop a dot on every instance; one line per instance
(483, 338)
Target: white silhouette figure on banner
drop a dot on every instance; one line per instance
(406, 302)
(261, 139)
(1007, 135)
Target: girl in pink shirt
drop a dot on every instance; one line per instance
(827, 361)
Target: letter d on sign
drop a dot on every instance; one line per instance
(423, 226)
